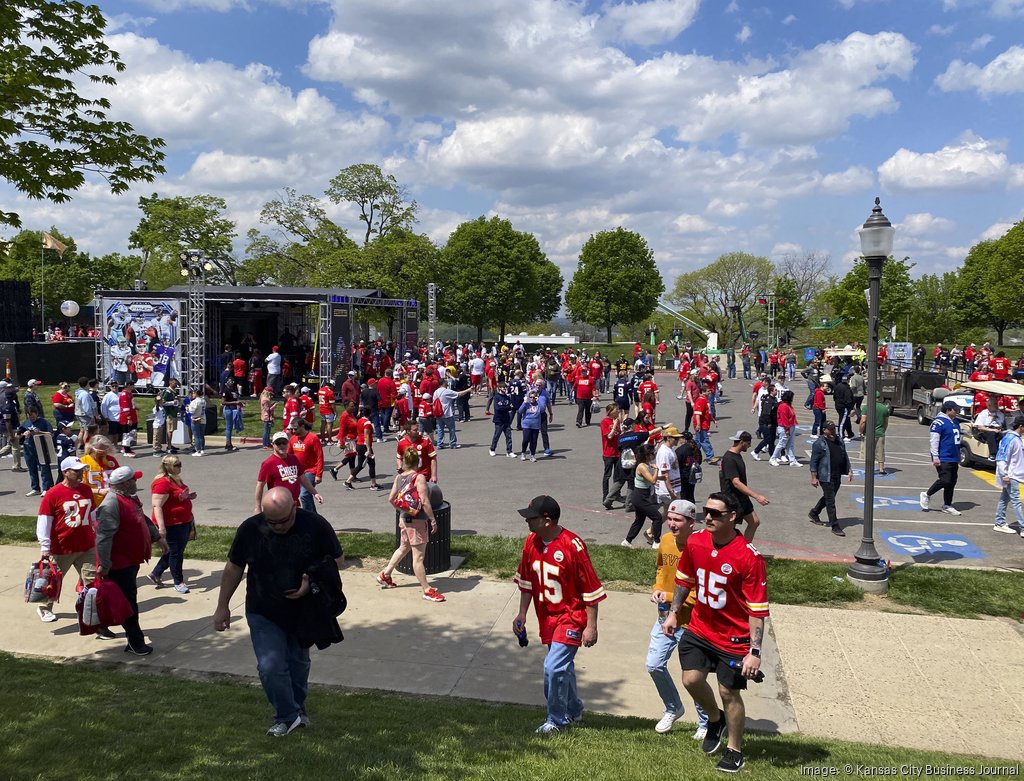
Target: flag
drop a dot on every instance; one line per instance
(51, 243)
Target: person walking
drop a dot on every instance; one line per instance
(123, 542)
(881, 424)
(585, 393)
(40, 474)
(232, 413)
(612, 478)
(555, 562)
(681, 517)
(818, 406)
(1009, 477)
(281, 469)
(172, 513)
(702, 420)
(411, 496)
(842, 398)
(532, 412)
(829, 462)
(197, 413)
(306, 447)
(645, 506)
(364, 452)
(944, 447)
(767, 423)
(275, 550)
(732, 480)
(786, 432)
(502, 419)
(726, 628)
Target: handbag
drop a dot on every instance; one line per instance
(44, 581)
(407, 499)
(192, 531)
(88, 617)
(627, 459)
(696, 474)
(112, 606)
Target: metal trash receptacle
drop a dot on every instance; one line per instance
(211, 419)
(438, 556)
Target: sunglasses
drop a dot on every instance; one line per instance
(716, 514)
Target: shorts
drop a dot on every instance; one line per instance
(880, 449)
(414, 530)
(428, 425)
(746, 506)
(696, 653)
(329, 418)
(476, 379)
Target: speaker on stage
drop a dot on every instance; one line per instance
(16, 313)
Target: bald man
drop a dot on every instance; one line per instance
(279, 546)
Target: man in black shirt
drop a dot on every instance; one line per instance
(278, 547)
(732, 478)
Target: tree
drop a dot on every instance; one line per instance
(399, 264)
(383, 203)
(171, 225)
(810, 275)
(708, 294)
(790, 313)
(616, 280)
(847, 299)
(50, 136)
(934, 314)
(492, 274)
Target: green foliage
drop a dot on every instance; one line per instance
(400, 264)
(50, 136)
(847, 299)
(934, 314)
(492, 274)
(616, 281)
(170, 225)
(789, 312)
(383, 203)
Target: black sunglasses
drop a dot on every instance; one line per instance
(716, 514)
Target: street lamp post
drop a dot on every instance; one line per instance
(194, 268)
(876, 238)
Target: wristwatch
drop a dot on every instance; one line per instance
(755, 652)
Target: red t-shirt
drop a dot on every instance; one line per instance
(73, 517)
(731, 584)
(325, 397)
(178, 507)
(292, 408)
(388, 392)
(786, 415)
(562, 582)
(364, 429)
(701, 406)
(277, 471)
(609, 446)
(309, 452)
(1000, 368)
(238, 366)
(346, 428)
(425, 409)
(584, 389)
(308, 407)
(129, 416)
(425, 450)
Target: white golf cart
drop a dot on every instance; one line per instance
(974, 449)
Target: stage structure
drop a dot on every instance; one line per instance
(145, 333)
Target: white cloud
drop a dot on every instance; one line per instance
(941, 30)
(1001, 9)
(119, 22)
(996, 231)
(783, 248)
(649, 22)
(853, 179)
(733, 7)
(692, 223)
(789, 19)
(971, 163)
(924, 224)
(1004, 75)
(723, 208)
(980, 42)
(744, 34)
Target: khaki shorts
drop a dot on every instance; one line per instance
(414, 531)
(879, 449)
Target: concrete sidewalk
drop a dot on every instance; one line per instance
(893, 679)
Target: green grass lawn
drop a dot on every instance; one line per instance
(87, 722)
(950, 591)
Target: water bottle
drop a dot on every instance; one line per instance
(758, 676)
(524, 639)
(663, 611)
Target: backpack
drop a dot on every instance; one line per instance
(407, 500)
(43, 582)
(1003, 453)
(437, 409)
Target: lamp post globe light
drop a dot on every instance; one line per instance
(876, 239)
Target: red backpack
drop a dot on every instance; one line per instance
(437, 409)
(408, 498)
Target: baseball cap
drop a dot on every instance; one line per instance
(949, 405)
(741, 435)
(305, 389)
(71, 463)
(279, 436)
(542, 505)
(683, 507)
(352, 373)
(122, 475)
(33, 383)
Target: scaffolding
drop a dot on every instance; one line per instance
(195, 330)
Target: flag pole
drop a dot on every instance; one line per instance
(42, 284)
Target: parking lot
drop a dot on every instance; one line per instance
(485, 492)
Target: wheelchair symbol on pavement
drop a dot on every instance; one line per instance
(953, 545)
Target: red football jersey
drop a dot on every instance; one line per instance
(424, 448)
(72, 528)
(731, 584)
(563, 583)
(292, 408)
(325, 396)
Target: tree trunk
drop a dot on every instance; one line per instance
(609, 331)
(1000, 328)
(391, 328)
(501, 331)
(479, 333)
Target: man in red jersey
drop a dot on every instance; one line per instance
(65, 530)
(308, 406)
(306, 447)
(1000, 367)
(388, 392)
(428, 456)
(325, 398)
(727, 625)
(128, 418)
(292, 405)
(282, 468)
(585, 391)
(555, 573)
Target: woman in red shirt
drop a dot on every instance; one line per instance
(172, 512)
(786, 432)
(347, 440)
(63, 405)
(364, 452)
(648, 407)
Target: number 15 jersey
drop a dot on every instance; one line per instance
(562, 582)
(731, 586)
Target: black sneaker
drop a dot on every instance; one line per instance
(713, 738)
(334, 472)
(105, 634)
(142, 650)
(815, 518)
(731, 761)
(838, 530)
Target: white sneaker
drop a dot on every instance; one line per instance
(626, 544)
(1005, 528)
(924, 501)
(197, 454)
(491, 453)
(533, 459)
(812, 438)
(949, 509)
(522, 457)
(774, 462)
(45, 615)
(700, 733)
(678, 397)
(510, 455)
(33, 492)
(784, 459)
(666, 722)
(756, 456)
(797, 464)
(655, 545)
(181, 588)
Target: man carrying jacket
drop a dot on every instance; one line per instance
(829, 462)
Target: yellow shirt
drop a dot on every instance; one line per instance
(668, 561)
(97, 474)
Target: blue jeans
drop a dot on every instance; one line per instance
(659, 652)
(35, 468)
(1010, 495)
(446, 424)
(819, 418)
(305, 497)
(704, 441)
(564, 705)
(375, 419)
(198, 437)
(385, 417)
(283, 666)
(177, 539)
(232, 422)
(267, 425)
(505, 429)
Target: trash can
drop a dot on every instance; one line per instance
(438, 556)
(670, 364)
(211, 419)
(149, 431)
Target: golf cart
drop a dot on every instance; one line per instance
(929, 402)
(974, 449)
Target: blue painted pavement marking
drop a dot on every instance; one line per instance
(858, 474)
(899, 503)
(947, 546)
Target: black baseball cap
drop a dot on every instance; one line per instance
(542, 505)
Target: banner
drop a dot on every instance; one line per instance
(901, 354)
(341, 332)
(141, 340)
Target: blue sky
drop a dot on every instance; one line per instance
(707, 126)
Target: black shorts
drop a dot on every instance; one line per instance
(427, 425)
(696, 653)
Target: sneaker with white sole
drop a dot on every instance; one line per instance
(626, 544)
(533, 459)
(547, 728)
(45, 615)
(731, 761)
(181, 588)
(797, 464)
(774, 462)
(700, 733)
(666, 722)
(522, 457)
(433, 595)
(923, 499)
(282, 728)
(949, 509)
(756, 456)
(491, 453)
(510, 455)
(1005, 528)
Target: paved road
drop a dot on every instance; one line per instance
(485, 492)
